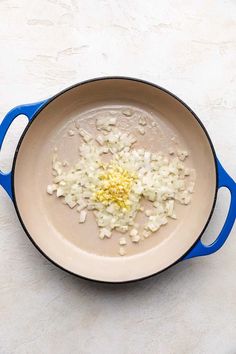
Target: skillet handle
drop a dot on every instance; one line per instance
(224, 180)
(29, 111)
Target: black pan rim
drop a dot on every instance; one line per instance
(87, 82)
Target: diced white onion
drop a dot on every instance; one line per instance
(122, 241)
(82, 216)
(160, 179)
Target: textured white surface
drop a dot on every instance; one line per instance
(189, 47)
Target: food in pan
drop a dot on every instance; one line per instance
(112, 178)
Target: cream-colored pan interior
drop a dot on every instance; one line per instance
(54, 227)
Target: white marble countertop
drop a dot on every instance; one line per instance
(187, 46)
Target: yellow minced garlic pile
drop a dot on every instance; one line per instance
(113, 191)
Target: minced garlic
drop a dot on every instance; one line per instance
(115, 186)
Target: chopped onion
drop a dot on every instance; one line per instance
(83, 215)
(113, 191)
(122, 241)
(135, 239)
(122, 251)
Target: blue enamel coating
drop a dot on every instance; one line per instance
(224, 180)
(29, 111)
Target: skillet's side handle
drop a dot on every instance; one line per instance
(29, 111)
(224, 180)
